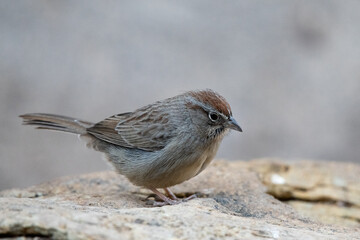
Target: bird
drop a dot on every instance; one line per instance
(156, 146)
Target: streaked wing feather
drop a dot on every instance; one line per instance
(105, 130)
(144, 129)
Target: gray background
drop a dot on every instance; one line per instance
(289, 69)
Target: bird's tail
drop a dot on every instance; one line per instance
(56, 122)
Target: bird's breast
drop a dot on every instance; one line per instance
(182, 166)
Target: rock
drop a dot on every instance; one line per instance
(326, 191)
(232, 204)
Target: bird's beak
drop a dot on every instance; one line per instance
(232, 124)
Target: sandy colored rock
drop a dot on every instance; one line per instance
(232, 204)
(328, 212)
(326, 191)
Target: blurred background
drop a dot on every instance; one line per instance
(289, 69)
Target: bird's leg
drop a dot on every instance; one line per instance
(170, 194)
(165, 199)
(171, 200)
(190, 197)
(174, 197)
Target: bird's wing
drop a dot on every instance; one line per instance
(147, 129)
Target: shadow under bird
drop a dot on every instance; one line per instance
(156, 146)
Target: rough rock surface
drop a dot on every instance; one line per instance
(326, 191)
(232, 204)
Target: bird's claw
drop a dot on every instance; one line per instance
(173, 201)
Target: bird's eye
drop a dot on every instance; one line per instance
(213, 116)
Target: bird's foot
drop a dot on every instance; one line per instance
(171, 199)
(173, 202)
(189, 197)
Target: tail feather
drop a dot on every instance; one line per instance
(56, 122)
